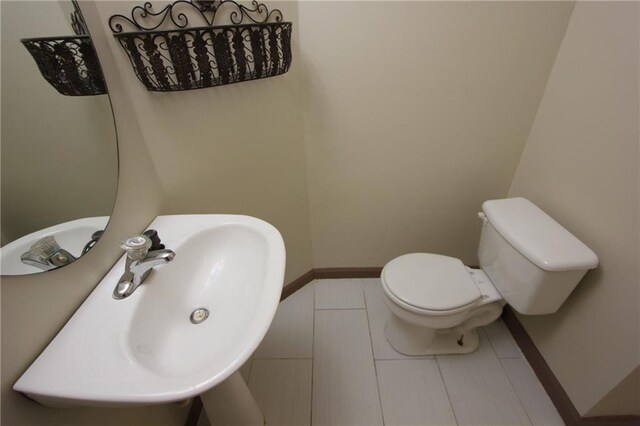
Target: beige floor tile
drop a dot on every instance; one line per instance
(479, 390)
(492, 386)
(345, 390)
(339, 294)
(502, 340)
(412, 393)
(534, 398)
(291, 332)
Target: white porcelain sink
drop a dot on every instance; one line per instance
(72, 236)
(144, 349)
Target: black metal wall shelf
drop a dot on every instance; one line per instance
(69, 63)
(230, 43)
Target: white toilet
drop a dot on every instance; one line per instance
(527, 259)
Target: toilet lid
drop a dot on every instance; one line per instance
(430, 281)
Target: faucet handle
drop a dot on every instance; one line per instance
(136, 247)
(155, 239)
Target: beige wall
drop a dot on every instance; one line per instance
(623, 399)
(580, 165)
(235, 149)
(35, 307)
(415, 113)
(59, 154)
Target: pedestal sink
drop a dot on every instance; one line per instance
(145, 349)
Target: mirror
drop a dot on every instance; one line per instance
(59, 157)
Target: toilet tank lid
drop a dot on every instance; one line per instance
(537, 236)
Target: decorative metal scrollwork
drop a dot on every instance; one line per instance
(77, 23)
(196, 44)
(70, 63)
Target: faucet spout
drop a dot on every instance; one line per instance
(141, 268)
(36, 261)
(46, 254)
(139, 264)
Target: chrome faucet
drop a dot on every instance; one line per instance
(46, 254)
(142, 256)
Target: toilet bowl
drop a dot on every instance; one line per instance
(526, 259)
(437, 303)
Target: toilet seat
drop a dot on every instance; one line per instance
(430, 282)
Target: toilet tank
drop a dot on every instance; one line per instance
(532, 260)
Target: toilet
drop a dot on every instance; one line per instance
(527, 260)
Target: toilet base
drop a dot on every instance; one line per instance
(412, 340)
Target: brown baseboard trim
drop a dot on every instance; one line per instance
(554, 389)
(328, 273)
(297, 284)
(548, 380)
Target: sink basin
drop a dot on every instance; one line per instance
(144, 349)
(72, 236)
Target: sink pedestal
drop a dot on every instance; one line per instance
(231, 403)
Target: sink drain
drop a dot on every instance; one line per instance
(199, 315)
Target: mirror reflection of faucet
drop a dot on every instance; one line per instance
(144, 252)
(47, 254)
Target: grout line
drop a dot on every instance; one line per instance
(280, 358)
(340, 309)
(421, 357)
(490, 340)
(483, 333)
(488, 336)
(515, 392)
(405, 359)
(446, 390)
(373, 357)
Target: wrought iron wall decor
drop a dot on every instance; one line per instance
(229, 43)
(70, 63)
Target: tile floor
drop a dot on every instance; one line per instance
(326, 361)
